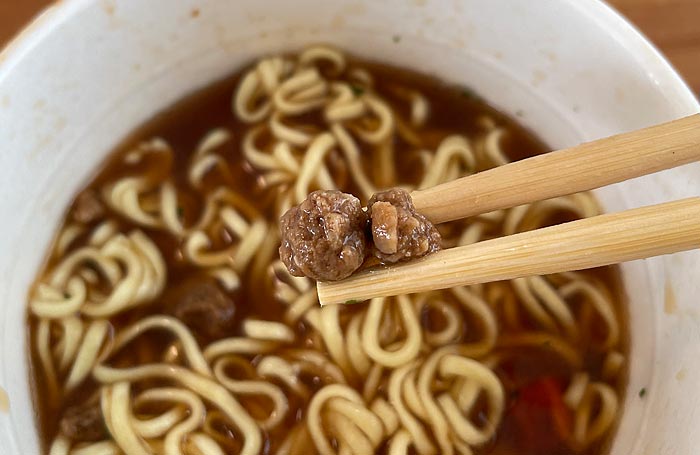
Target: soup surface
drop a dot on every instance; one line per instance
(164, 322)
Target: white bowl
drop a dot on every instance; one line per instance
(87, 72)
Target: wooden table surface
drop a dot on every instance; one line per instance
(673, 25)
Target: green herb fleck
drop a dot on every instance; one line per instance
(396, 38)
(642, 392)
(468, 94)
(350, 302)
(180, 211)
(66, 295)
(357, 90)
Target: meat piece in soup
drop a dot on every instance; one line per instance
(84, 422)
(204, 307)
(88, 207)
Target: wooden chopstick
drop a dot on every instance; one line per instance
(587, 243)
(581, 168)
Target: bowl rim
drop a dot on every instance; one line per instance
(647, 57)
(655, 62)
(630, 34)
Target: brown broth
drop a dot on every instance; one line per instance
(454, 109)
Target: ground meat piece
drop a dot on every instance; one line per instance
(84, 422)
(398, 231)
(324, 237)
(87, 207)
(385, 234)
(203, 306)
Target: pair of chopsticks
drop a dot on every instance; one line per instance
(582, 244)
